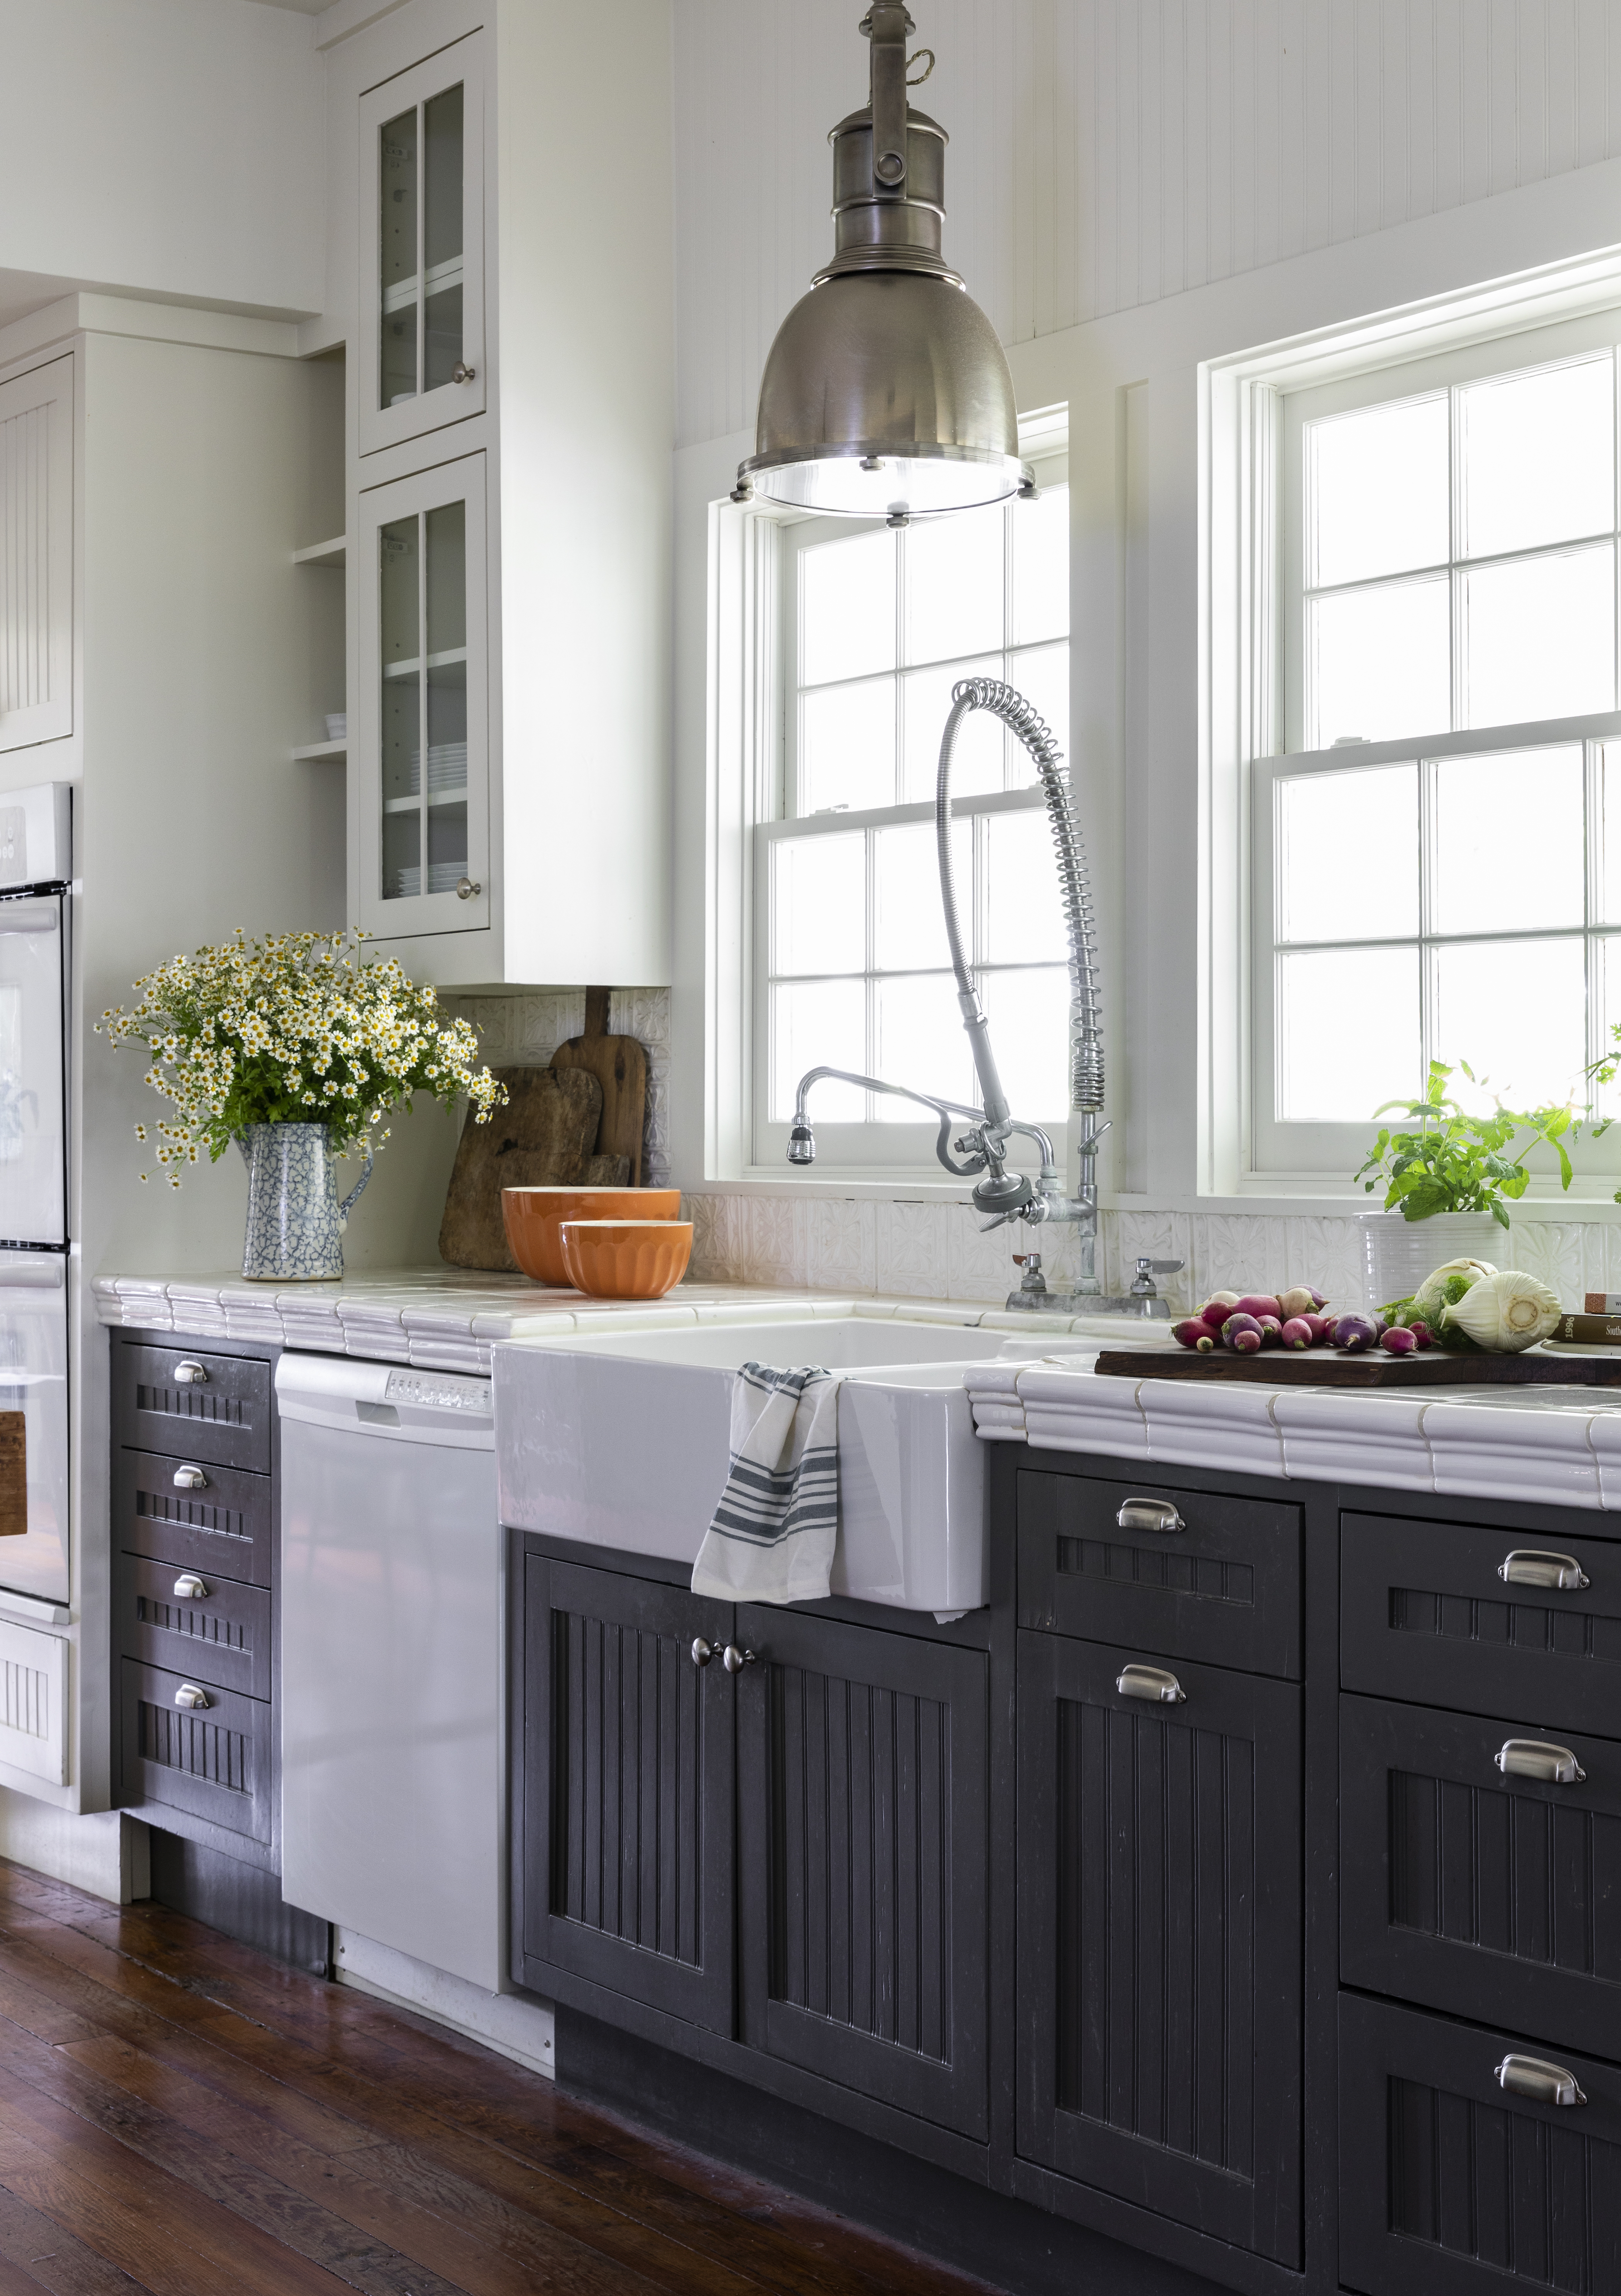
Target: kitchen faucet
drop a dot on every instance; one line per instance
(981, 1143)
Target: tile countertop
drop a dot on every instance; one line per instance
(448, 1318)
(1559, 1445)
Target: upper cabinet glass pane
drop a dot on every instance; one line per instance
(442, 239)
(398, 226)
(1377, 492)
(448, 578)
(1537, 458)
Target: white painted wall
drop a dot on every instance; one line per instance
(170, 148)
(1107, 153)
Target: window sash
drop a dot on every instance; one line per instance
(1298, 1150)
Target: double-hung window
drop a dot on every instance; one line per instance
(1432, 876)
(851, 966)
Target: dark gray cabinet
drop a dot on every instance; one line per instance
(627, 1763)
(1452, 2185)
(862, 1832)
(194, 1495)
(1159, 1937)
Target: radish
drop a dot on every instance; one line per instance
(1246, 1341)
(1260, 1303)
(1422, 1336)
(1238, 1323)
(1189, 1333)
(1301, 1301)
(1398, 1340)
(1298, 1332)
(1353, 1334)
(1271, 1329)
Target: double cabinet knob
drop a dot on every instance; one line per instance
(733, 1659)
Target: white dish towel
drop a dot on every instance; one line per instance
(774, 1533)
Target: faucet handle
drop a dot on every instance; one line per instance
(1146, 1266)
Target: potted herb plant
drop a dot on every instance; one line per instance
(1449, 1178)
(296, 1050)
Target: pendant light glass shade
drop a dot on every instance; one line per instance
(886, 393)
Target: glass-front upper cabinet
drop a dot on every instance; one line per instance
(421, 273)
(422, 788)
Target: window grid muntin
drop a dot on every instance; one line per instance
(1456, 566)
(1596, 932)
(1013, 796)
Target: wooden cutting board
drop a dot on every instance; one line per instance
(545, 1137)
(619, 1065)
(1280, 1367)
(13, 1475)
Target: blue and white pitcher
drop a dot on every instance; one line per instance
(294, 1221)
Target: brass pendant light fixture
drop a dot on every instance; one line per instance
(886, 393)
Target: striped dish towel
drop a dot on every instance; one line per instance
(774, 1533)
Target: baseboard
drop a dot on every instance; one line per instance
(513, 2025)
(243, 1902)
(104, 1854)
(999, 2239)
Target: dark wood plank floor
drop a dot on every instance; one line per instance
(181, 2115)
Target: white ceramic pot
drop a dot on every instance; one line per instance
(1399, 1254)
(294, 1221)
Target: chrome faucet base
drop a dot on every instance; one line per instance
(1088, 1303)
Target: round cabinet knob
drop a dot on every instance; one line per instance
(190, 1587)
(702, 1652)
(191, 1374)
(466, 888)
(734, 1659)
(190, 1479)
(188, 1695)
(461, 374)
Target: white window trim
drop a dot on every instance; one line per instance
(743, 743)
(1241, 673)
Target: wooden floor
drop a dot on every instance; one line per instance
(182, 2115)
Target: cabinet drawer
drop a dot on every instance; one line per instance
(216, 1630)
(1427, 1616)
(1486, 1895)
(213, 1762)
(224, 1417)
(1222, 1584)
(224, 1528)
(1450, 2188)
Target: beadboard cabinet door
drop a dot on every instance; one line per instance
(627, 1779)
(1159, 1938)
(863, 1838)
(36, 555)
(419, 824)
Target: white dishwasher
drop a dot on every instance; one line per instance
(393, 1743)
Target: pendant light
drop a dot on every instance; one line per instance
(886, 393)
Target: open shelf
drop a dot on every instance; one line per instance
(315, 749)
(323, 553)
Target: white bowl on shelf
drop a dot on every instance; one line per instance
(338, 726)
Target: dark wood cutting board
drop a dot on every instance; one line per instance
(13, 1475)
(1315, 1367)
(619, 1065)
(545, 1137)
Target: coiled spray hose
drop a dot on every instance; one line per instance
(1075, 891)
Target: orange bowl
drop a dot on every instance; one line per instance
(534, 1214)
(625, 1259)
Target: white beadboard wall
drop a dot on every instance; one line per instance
(1107, 153)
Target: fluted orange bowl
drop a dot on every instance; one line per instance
(625, 1259)
(533, 1216)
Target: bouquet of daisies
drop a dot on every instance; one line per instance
(291, 1030)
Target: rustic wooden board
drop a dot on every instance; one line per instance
(1316, 1368)
(545, 1137)
(13, 1475)
(619, 1065)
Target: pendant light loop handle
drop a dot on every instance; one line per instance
(915, 57)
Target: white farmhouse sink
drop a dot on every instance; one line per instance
(622, 1440)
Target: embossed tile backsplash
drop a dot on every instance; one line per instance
(933, 1250)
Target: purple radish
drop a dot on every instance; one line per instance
(1238, 1323)
(1353, 1334)
(1271, 1329)
(1261, 1303)
(1422, 1337)
(1398, 1342)
(1246, 1342)
(1298, 1332)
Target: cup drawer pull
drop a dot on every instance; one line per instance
(188, 1373)
(189, 1695)
(190, 1587)
(190, 1479)
(1524, 1567)
(1151, 1682)
(1531, 1758)
(1148, 1515)
(1535, 2078)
